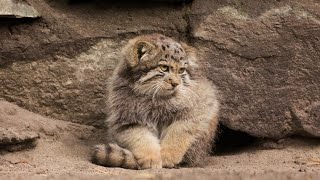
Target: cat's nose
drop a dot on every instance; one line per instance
(174, 82)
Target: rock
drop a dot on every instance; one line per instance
(17, 9)
(266, 67)
(78, 94)
(13, 136)
(309, 116)
(20, 129)
(12, 139)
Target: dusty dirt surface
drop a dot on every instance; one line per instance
(62, 152)
(66, 157)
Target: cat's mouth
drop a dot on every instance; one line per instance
(168, 92)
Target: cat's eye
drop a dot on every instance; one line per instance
(164, 68)
(182, 70)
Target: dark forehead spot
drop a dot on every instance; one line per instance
(174, 58)
(166, 56)
(168, 46)
(163, 47)
(181, 58)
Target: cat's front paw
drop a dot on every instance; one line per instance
(150, 162)
(170, 159)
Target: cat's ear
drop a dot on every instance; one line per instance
(139, 51)
(191, 54)
(143, 51)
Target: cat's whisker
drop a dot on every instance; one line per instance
(155, 92)
(148, 89)
(191, 94)
(154, 88)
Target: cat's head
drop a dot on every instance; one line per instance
(163, 66)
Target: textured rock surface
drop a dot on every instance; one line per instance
(17, 9)
(65, 88)
(21, 129)
(266, 66)
(15, 139)
(264, 57)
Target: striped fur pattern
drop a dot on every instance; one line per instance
(163, 111)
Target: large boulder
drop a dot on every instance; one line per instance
(266, 66)
(66, 88)
(20, 129)
(17, 9)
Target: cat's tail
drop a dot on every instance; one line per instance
(112, 155)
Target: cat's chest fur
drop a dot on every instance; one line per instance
(144, 110)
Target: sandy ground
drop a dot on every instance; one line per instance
(62, 152)
(64, 155)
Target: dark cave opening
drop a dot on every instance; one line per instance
(230, 141)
